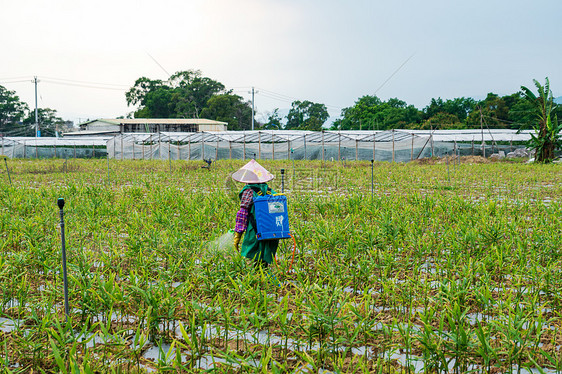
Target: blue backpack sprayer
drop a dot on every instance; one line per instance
(272, 217)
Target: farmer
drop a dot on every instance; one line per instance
(255, 176)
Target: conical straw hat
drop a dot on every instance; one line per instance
(252, 172)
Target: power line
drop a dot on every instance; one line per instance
(69, 82)
(274, 97)
(287, 98)
(9, 82)
(157, 63)
(83, 85)
(278, 94)
(392, 75)
(240, 91)
(499, 119)
(21, 77)
(85, 82)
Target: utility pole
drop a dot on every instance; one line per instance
(482, 131)
(36, 111)
(252, 92)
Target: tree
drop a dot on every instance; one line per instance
(12, 112)
(184, 95)
(49, 122)
(192, 92)
(492, 111)
(442, 121)
(370, 113)
(522, 111)
(229, 108)
(396, 114)
(459, 107)
(273, 121)
(306, 115)
(157, 104)
(548, 131)
(137, 93)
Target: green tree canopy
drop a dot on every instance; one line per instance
(370, 113)
(157, 104)
(229, 108)
(12, 113)
(137, 93)
(442, 121)
(49, 122)
(522, 112)
(492, 112)
(306, 115)
(184, 95)
(459, 107)
(273, 121)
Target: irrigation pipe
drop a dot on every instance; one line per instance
(8, 170)
(60, 203)
(108, 169)
(372, 179)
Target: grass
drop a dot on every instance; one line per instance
(437, 271)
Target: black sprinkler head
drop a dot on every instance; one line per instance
(60, 202)
(282, 171)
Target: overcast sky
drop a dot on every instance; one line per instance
(326, 51)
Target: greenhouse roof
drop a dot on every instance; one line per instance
(48, 141)
(281, 136)
(498, 135)
(271, 136)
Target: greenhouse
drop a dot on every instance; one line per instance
(30, 147)
(391, 145)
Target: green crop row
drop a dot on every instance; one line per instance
(398, 268)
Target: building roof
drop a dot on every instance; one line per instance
(142, 121)
(109, 133)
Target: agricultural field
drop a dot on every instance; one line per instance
(398, 268)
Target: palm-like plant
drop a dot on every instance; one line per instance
(548, 137)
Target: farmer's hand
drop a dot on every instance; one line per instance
(237, 236)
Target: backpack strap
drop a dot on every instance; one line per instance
(259, 192)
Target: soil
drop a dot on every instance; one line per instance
(443, 160)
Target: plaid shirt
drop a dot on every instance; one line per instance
(246, 202)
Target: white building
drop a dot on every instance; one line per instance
(147, 125)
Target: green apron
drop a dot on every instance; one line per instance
(253, 248)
